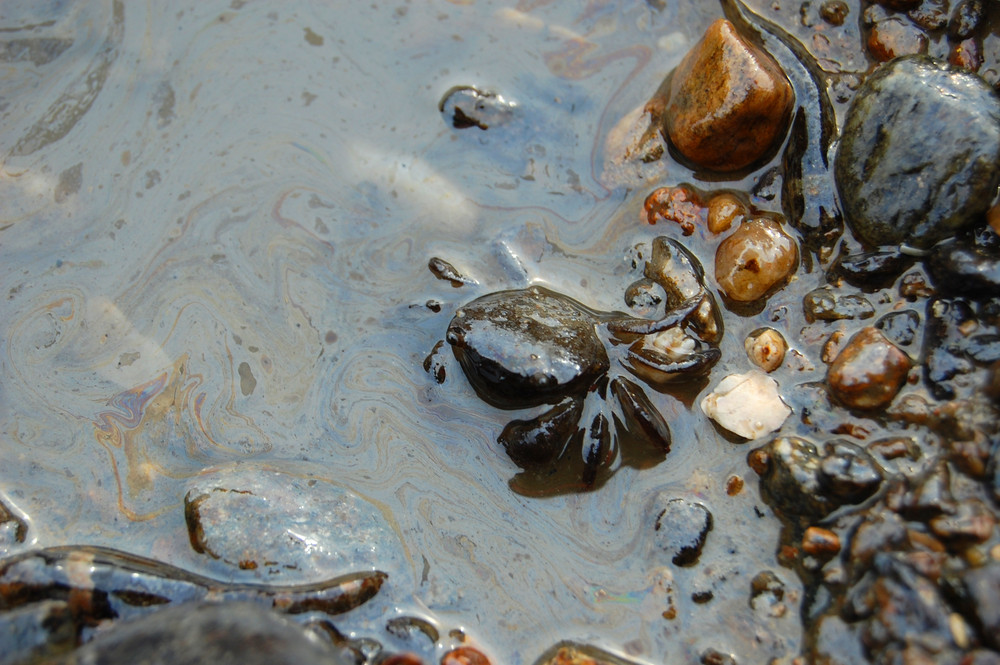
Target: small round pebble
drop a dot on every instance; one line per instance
(723, 211)
(766, 348)
(869, 371)
(756, 257)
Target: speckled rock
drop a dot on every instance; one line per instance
(868, 372)
(800, 480)
(680, 529)
(728, 102)
(919, 155)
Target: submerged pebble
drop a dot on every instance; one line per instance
(728, 102)
(681, 529)
(755, 258)
(912, 108)
(825, 304)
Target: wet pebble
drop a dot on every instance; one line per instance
(981, 600)
(724, 210)
(679, 205)
(925, 497)
(930, 14)
(799, 480)
(971, 523)
(465, 656)
(891, 192)
(966, 19)
(206, 634)
(900, 328)
(820, 542)
(747, 405)
(868, 372)
(13, 530)
(892, 37)
(766, 348)
(755, 258)
(728, 102)
(825, 304)
(574, 653)
(877, 268)
(681, 529)
(465, 106)
(767, 593)
(834, 12)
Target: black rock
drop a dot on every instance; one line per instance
(206, 634)
(799, 480)
(918, 158)
(980, 589)
(681, 529)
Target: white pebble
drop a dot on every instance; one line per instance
(747, 404)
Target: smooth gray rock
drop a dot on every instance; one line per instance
(919, 153)
(206, 634)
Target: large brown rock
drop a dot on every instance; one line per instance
(728, 102)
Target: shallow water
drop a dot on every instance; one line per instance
(215, 232)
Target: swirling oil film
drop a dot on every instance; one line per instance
(471, 331)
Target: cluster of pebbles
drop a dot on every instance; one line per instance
(888, 490)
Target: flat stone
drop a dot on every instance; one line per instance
(728, 102)
(919, 155)
(281, 527)
(869, 371)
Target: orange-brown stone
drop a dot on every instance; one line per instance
(728, 102)
(869, 371)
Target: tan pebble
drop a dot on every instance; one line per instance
(995, 552)
(993, 218)
(868, 372)
(959, 630)
(723, 211)
(833, 346)
(766, 348)
(728, 102)
(734, 485)
(754, 258)
(893, 37)
(465, 656)
(820, 542)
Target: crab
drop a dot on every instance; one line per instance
(534, 347)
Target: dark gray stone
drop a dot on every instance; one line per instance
(919, 153)
(206, 634)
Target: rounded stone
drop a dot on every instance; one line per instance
(919, 155)
(728, 102)
(755, 258)
(869, 371)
